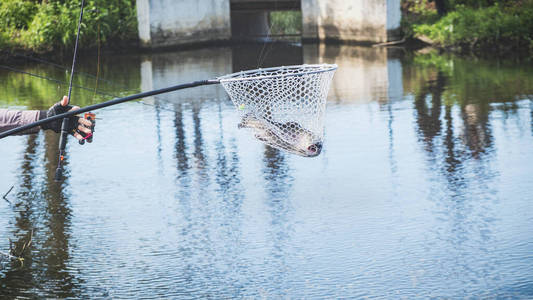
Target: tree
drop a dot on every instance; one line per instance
(442, 6)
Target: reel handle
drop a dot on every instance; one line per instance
(91, 117)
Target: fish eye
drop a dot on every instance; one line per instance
(312, 148)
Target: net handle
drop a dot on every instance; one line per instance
(322, 68)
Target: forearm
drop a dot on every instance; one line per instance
(10, 119)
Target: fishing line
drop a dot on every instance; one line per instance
(56, 80)
(75, 55)
(64, 124)
(98, 60)
(81, 87)
(96, 91)
(63, 68)
(312, 81)
(108, 103)
(269, 33)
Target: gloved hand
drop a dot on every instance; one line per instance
(79, 127)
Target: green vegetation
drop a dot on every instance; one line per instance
(43, 26)
(286, 22)
(471, 24)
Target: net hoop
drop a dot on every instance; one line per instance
(272, 73)
(283, 106)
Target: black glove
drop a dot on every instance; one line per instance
(57, 109)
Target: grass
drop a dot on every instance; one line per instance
(286, 22)
(47, 26)
(501, 27)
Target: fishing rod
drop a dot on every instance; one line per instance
(106, 104)
(234, 84)
(256, 92)
(64, 124)
(103, 93)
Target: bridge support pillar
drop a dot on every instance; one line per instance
(169, 22)
(371, 21)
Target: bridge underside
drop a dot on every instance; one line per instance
(250, 18)
(264, 5)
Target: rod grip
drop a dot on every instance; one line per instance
(62, 145)
(59, 174)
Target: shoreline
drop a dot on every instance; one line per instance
(411, 44)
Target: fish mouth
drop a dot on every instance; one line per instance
(309, 152)
(314, 149)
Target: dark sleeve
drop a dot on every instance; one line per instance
(10, 119)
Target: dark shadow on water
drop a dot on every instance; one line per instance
(200, 159)
(278, 186)
(531, 115)
(459, 151)
(253, 56)
(157, 110)
(231, 191)
(180, 150)
(16, 281)
(452, 162)
(477, 133)
(209, 231)
(428, 118)
(42, 206)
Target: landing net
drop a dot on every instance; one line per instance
(284, 106)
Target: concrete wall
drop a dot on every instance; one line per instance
(175, 22)
(373, 21)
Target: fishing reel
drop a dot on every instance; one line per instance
(63, 142)
(91, 117)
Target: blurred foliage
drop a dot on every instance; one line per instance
(286, 22)
(472, 24)
(43, 26)
(16, 14)
(480, 3)
(4, 39)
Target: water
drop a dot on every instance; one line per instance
(423, 188)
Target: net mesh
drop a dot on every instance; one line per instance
(284, 106)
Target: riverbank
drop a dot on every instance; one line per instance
(50, 26)
(468, 26)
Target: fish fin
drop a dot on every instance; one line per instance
(261, 137)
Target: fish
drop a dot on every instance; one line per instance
(288, 136)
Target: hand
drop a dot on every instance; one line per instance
(79, 127)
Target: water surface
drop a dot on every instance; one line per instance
(423, 188)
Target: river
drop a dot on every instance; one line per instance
(423, 188)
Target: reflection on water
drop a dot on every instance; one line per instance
(422, 190)
(42, 206)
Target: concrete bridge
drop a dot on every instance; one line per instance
(164, 23)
